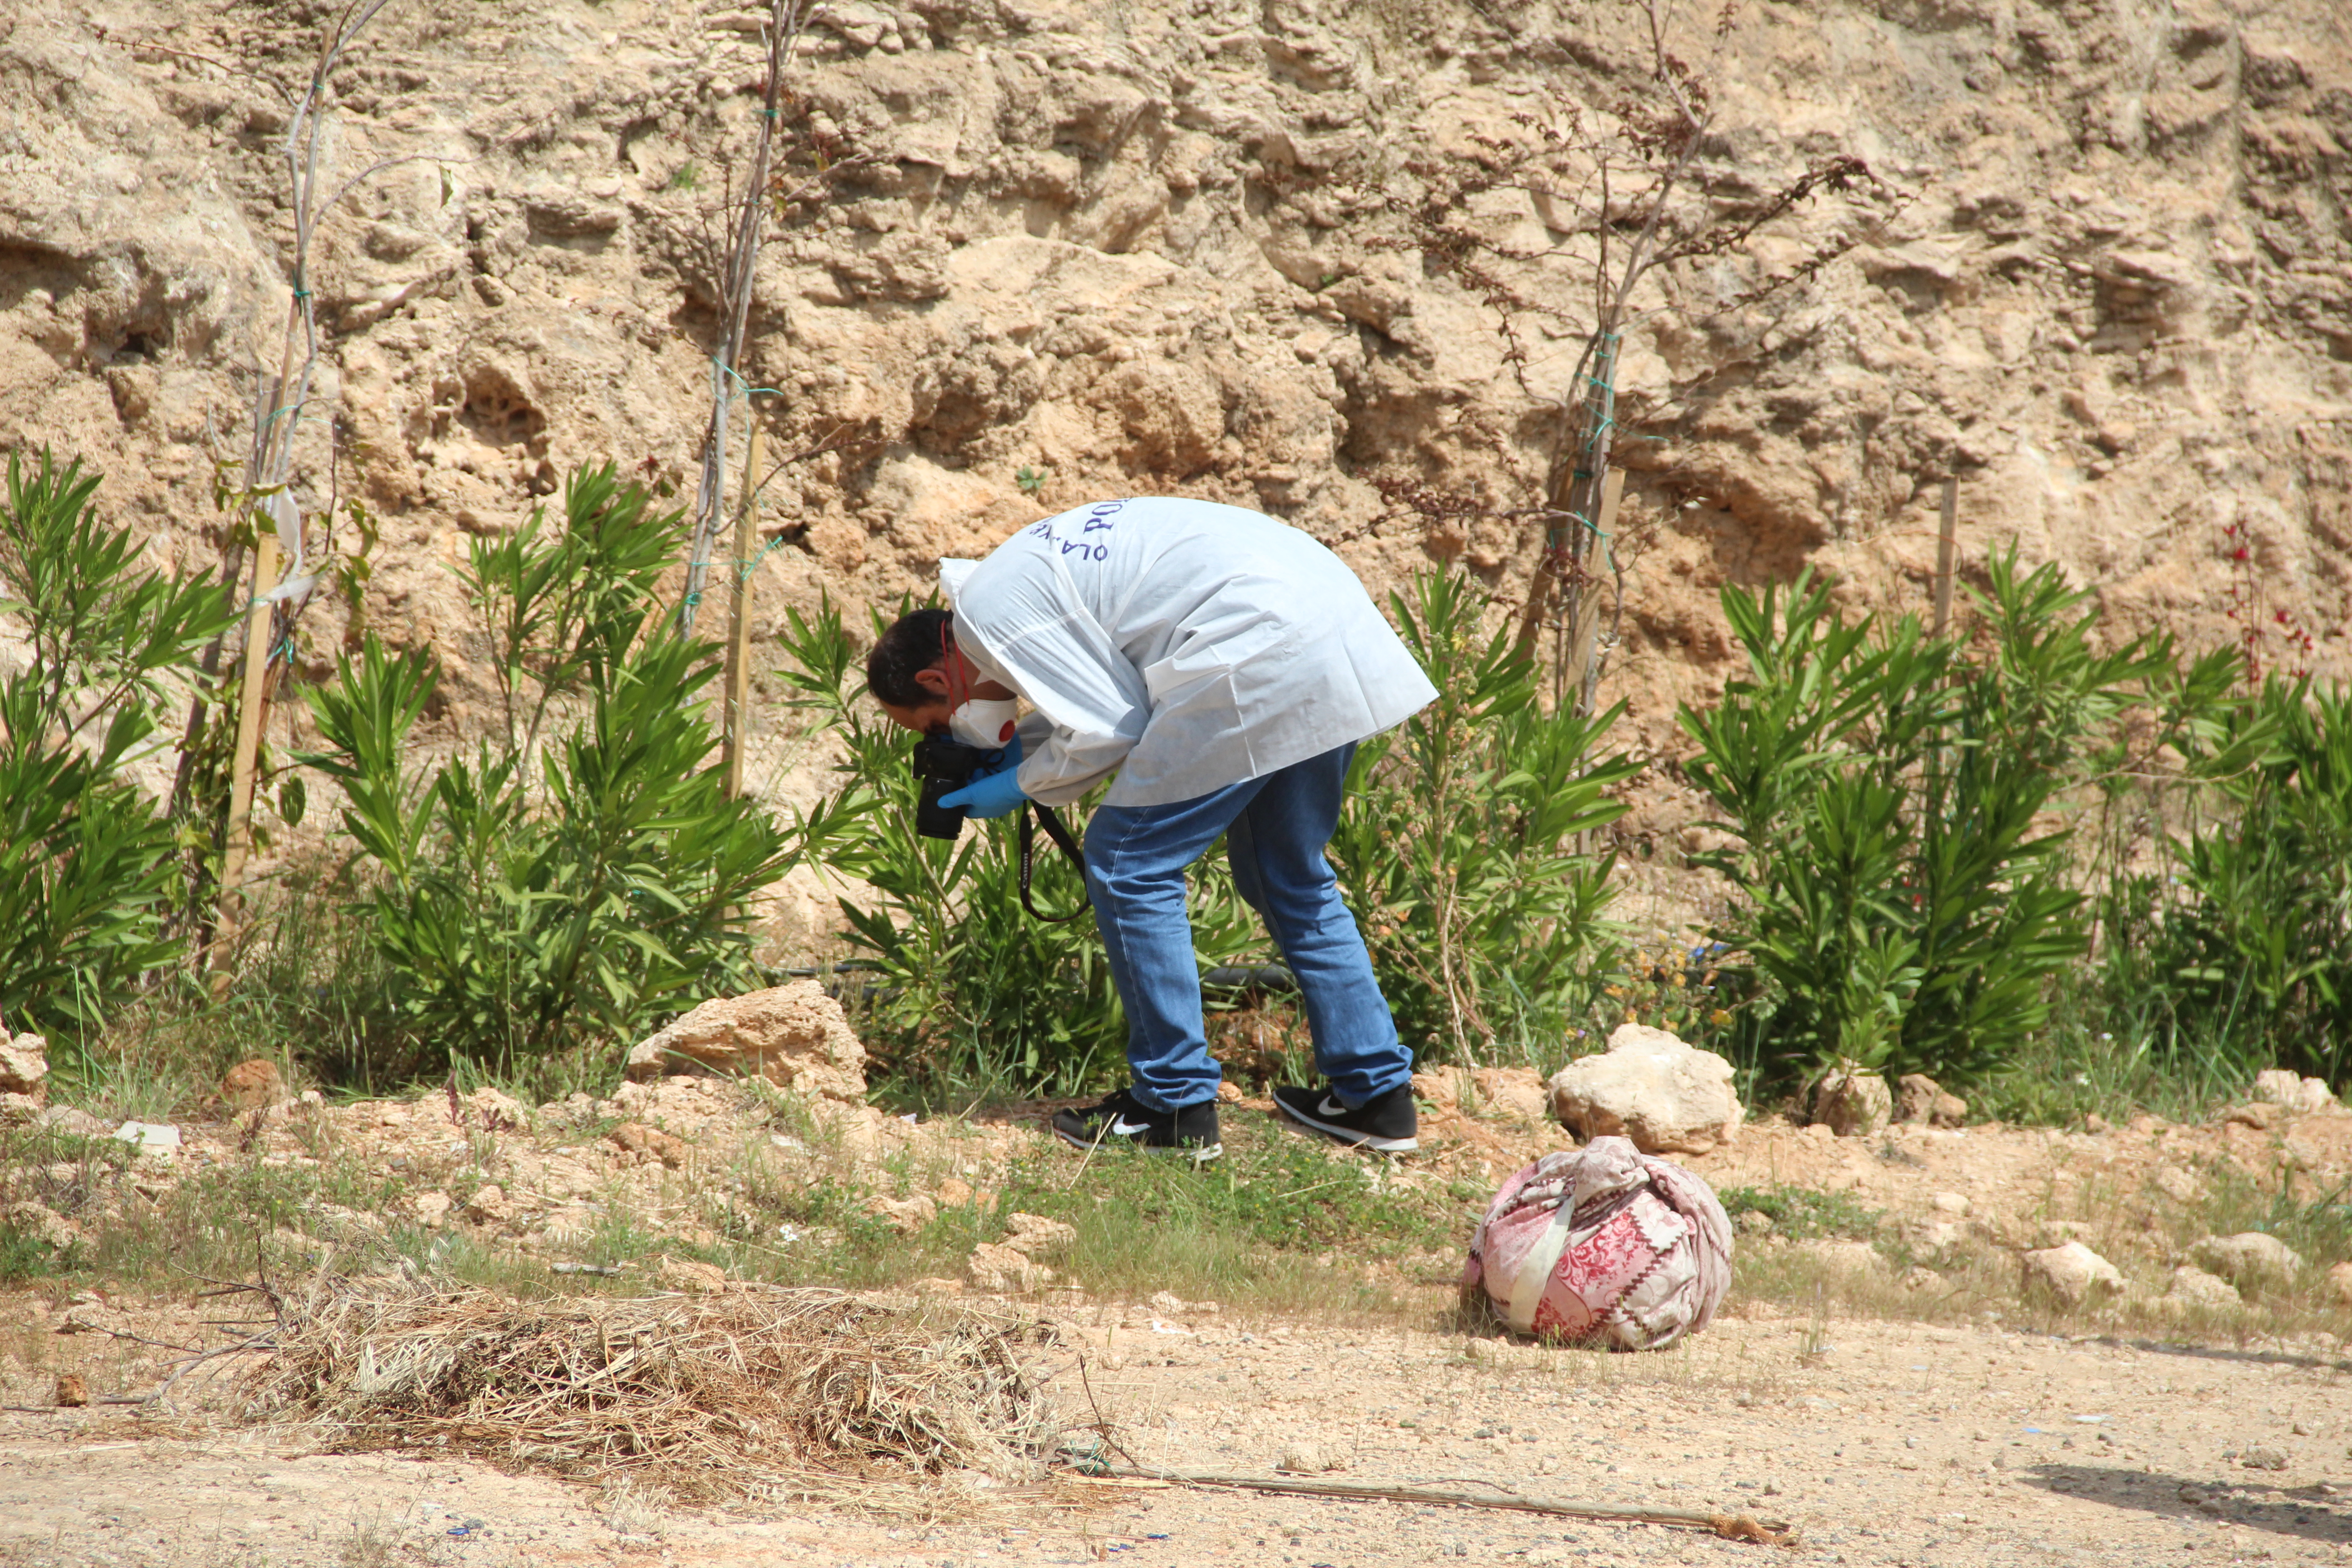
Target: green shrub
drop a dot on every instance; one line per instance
(86, 859)
(2245, 937)
(1459, 843)
(549, 893)
(1896, 892)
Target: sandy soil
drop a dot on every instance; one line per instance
(1883, 1444)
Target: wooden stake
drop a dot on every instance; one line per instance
(1947, 541)
(1588, 602)
(250, 701)
(738, 704)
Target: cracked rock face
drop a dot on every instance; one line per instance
(1162, 248)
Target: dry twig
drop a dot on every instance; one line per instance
(1731, 1527)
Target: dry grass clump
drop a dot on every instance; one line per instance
(745, 1393)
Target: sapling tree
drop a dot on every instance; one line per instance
(264, 492)
(1640, 186)
(793, 166)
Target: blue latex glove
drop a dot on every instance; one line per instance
(990, 794)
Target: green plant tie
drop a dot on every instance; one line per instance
(730, 372)
(743, 567)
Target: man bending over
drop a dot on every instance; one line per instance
(1225, 666)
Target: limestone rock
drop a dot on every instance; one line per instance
(1937, 1237)
(93, 1316)
(488, 1205)
(687, 1274)
(253, 1085)
(2339, 1284)
(492, 1109)
(1918, 1097)
(1302, 1459)
(2250, 1259)
(1514, 1092)
(907, 1215)
(1852, 1103)
(2073, 1273)
(791, 1034)
(1650, 1087)
(1030, 1234)
(430, 1207)
(2280, 1088)
(24, 1065)
(72, 1120)
(2195, 1288)
(2059, 1232)
(647, 1143)
(44, 1225)
(998, 1268)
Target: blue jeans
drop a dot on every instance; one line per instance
(1274, 828)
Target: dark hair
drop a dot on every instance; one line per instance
(917, 642)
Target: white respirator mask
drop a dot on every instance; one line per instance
(986, 722)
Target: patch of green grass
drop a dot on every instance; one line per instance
(24, 1256)
(2095, 1058)
(1279, 1223)
(1280, 1192)
(1801, 1214)
(63, 1173)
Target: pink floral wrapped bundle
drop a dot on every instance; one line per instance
(1604, 1242)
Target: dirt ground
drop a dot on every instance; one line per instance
(1917, 1418)
(1883, 1443)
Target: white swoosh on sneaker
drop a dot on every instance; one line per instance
(1126, 1129)
(1330, 1106)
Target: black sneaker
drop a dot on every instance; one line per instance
(1123, 1119)
(1389, 1124)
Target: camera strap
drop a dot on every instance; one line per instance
(1060, 834)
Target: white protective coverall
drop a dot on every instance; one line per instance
(1190, 646)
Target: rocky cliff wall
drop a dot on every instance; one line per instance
(1155, 247)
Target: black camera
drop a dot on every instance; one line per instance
(945, 766)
